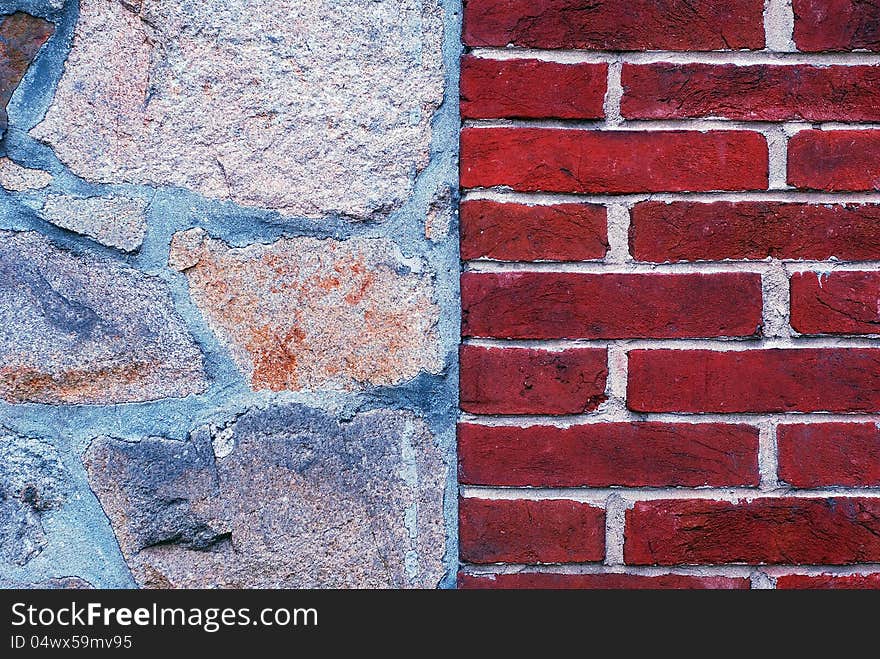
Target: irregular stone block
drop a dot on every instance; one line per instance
(21, 37)
(15, 178)
(85, 329)
(303, 313)
(268, 103)
(299, 499)
(31, 483)
(113, 221)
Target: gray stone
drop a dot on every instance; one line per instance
(113, 221)
(31, 483)
(85, 329)
(55, 583)
(310, 107)
(300, 500)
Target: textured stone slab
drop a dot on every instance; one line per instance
(21, 37)
(31, 483)
(269, 103)
(298, 499)
(15, 178)
(303, 313)
(84, 329)
(113, 221)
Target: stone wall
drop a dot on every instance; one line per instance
(229, 310)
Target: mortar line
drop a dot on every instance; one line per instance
(597, 418)
(620, 264)
(729, 570)
(502, 194)
(737, 57)
(693, 124)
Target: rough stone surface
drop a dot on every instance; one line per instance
(84, 329)
(301, 500)
(192, 95)
(31, 483)
(21, 37)
(113, 221)
(56, 583)
(304, 313)
(15, 178)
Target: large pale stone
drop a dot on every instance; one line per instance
(310, 107)
(113, 221)
(31, 483)
(298, 499)
(84, 329)
(303, 313)
(15, 178)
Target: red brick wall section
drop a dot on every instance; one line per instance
(670, 235)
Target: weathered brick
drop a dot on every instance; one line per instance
(283, 497)
(761, 92)
(526, 381)
(835, 160)
(785, 531)
(84, 329)
(690, 231)
(787, 380)
(613, 25)
(531, 89)
(836, 25)
(539, 305)
(21, 37)
(607, 454)
(520, 531)
(603, 581)
(829, 454)
(303, 313)
(517, 232)
(614, 162)
(835, 302)
(828, 582)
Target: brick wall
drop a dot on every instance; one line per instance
(671, 294)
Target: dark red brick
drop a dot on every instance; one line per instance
(835, 160)
(616, 25)
(21, 37)
(531, 89)
(604, 581)
(517, 232)
(821, 25)
(613, 162)
(787, 531)
(526, 381)
(829, 582)
(548, 305)
(690, 231)
(836, 302)
(829, 454)
(607, 454)
(519, 531)
(796, 380)
(761, 92)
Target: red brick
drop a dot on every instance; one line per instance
(607, 454)
(836, 303)
(829, 582)
(519, 531)
(836, 25)
(531, 89)
(690, 231)
(615, 162)
(526, 381)
(829, 454)
(761, 92)
(798, 380)
(835, 160)
(784, 531)
(605, 581)
(615, 25)
(549, 305)
(517, 232)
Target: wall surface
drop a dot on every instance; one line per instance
(229, 307)
(670, 375)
